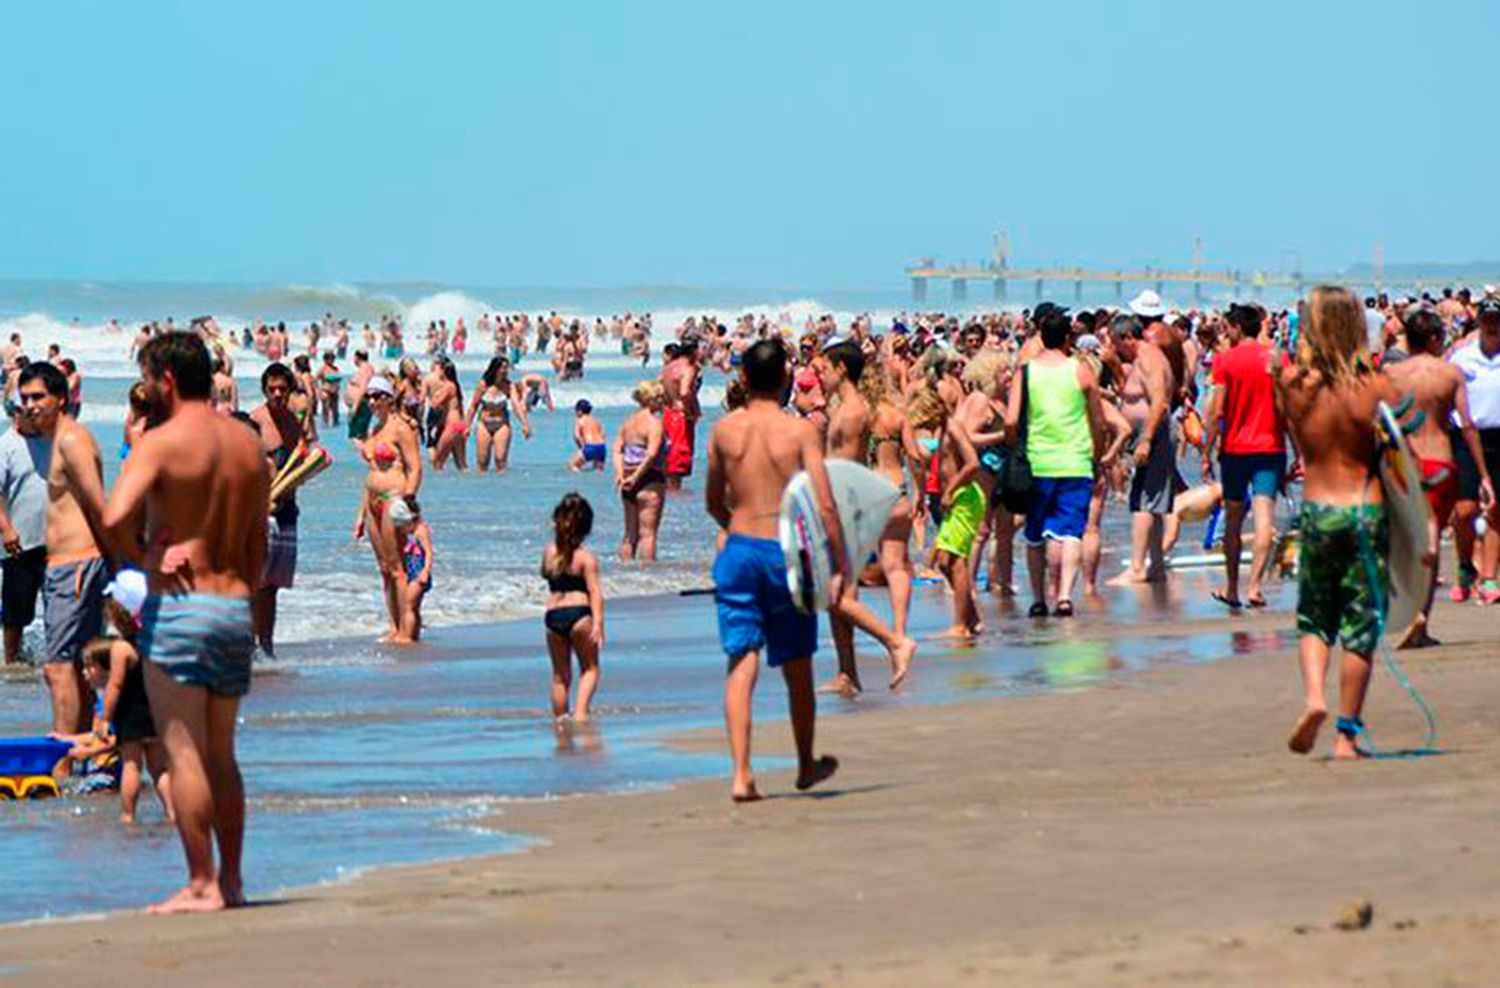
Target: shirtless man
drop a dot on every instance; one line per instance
(1439, 392)
(280, 434)
(200, 483)
(354, 396)
(1145, 399)
(752, 453)
(839, 371)
(1328, 401)
(679, 420)
(73, 587)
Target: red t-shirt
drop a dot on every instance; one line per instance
(1248, 404)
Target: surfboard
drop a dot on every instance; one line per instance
(864, 500)
(1407, 511)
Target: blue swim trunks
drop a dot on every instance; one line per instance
(593, 452)
(200, 639)
(755, 607)
(1247, 475)
(1059, 509)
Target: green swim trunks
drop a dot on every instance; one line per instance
(1335, 597)
(961, 524)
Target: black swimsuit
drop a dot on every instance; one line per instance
(561, 620)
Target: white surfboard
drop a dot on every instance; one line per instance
(864, 500)
(1408, 513)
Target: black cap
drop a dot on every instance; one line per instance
(1489, 306)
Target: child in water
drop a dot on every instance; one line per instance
(575, 607)
(588, 436)
(415, 538)
(115, 671)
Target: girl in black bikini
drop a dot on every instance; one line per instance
(575, 607)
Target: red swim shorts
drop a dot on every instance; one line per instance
(679, 435)
(1443, 495)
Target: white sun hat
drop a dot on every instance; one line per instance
(1148, 305)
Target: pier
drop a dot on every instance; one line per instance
(1002, 277)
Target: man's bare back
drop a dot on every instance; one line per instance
(1434, 385)
(1335, 432)
(757, 450)
(74, 480)
(206, 529)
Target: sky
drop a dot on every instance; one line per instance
(716, 143)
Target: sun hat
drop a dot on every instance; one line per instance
(1148, 305)
(128, 589)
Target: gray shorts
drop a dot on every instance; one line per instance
(1152, 486)
(200, 639)
(73, 595)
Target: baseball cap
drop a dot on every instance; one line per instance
(1489, 306)
(128, 589)
(379, 386)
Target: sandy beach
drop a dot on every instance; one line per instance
(1148, 830)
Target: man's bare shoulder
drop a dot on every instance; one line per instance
(74, 439)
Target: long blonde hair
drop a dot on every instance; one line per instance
(1333, 336)
(926, 409)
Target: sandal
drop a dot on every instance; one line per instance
(1064, 608)
(1038, 610)
(1228, 602)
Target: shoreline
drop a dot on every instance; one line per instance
(1088, 837)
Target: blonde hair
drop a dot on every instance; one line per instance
(873, 387)
(1333, 335)
(926, 408)
(648, 392)
(985, 369)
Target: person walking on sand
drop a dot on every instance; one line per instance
(839, 371)
(201, 482)
(1479, 558)
(575, 607)
(960, 499)
(1328, 398)
(1145, 399)
(1252, 460)
(752, 453)
(1054, 410)
(77, 572)
(1440, 396)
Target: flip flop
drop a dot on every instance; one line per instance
(1257, 602)
(1037, 610)
(1064, 608)
(1233, 605)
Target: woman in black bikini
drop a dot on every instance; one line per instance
(575, 607)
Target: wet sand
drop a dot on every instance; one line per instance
(1148, 830)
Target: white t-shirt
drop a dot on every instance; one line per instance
(1482, 377)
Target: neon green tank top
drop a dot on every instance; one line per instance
(1058, 440)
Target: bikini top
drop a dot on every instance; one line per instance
(494, 402)
(567, 583)
(384, 453)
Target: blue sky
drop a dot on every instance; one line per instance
(794, 144)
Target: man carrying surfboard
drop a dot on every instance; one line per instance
(753, 452)
(1439, 395)
(839, 371)
(1328, 399)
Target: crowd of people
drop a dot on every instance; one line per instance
(1033, 422)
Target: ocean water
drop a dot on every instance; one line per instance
(358, 755)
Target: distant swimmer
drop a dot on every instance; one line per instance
(753, 452)
(1328, 399)
(575, 608)
(538, 392)
(200, 482)
(589, 437)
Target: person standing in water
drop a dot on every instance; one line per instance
(281, 432)
(679, 419)
(491, 406)
(395, 458)
(1145, 399)
(752, 453)
(639, 456)
(201, 482)
(839, 372)
(575, 607)
(588, 436)
(1328, 398)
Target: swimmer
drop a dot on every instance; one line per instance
(588, 436)
(538, 391)
(575, 607)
